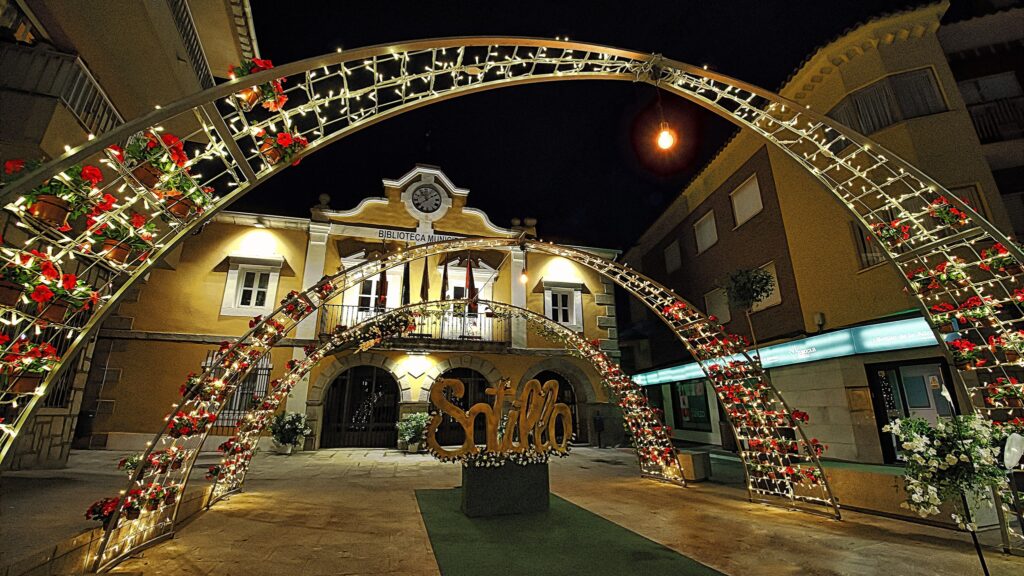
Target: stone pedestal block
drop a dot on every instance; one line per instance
(696, 465)
(508, 489)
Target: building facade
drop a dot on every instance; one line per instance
(846, 344)
(61, 82)
(242, 265)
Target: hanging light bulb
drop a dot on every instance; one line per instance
(524, 277)
(666, 136)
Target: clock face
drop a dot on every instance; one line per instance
(426, 199)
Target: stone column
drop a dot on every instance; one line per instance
(313, 271)
(518, 298)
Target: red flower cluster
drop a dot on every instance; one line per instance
(174, 147)
(14, 166)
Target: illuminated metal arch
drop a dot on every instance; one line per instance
(233, 467)
(337, 94)
(334, 95)
(779, 461)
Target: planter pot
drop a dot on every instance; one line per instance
(1013, 402)
(176, 465)
(147, 174)
(10, 293)
(182, 207)
(946, 328)
(270, 153)
(284, 449)
(132, 513)
(26, 383)
(116, 251)
(56, 311)
(1011, 270)
(248, 99)
(50, 209)
(413, 447)
(964, 364)
(1011, 355)
(170, 499)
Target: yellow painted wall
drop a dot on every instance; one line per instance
(543, 267)
(188, 299)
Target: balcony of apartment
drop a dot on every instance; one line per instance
(998, 120)
(456, 328)
(50, 99)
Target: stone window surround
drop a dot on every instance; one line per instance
(237, 264)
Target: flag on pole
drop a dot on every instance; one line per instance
(425, 281)
(444, 280)
(470, 286)
(382, 291)
(406, 299)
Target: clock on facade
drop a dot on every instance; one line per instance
(426, 199)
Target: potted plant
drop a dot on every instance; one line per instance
(289, 430)
(182, 197)
(154, 496)
(270, 94)
(966, 354)
(944, 212)
(943, 316)
(122, 241)
(894, 233)
(25, 365)
(102, 510)
(411, 430)
(280, 148)
(997, 258)
(150, 158)
(1010, 344)
(951, 461)
(63, 197)
(35, 275)
(184, 425)
(130, 463)
(172, 458)
(1005, 392)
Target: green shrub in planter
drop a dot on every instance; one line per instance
(412, 426)
(290, 429)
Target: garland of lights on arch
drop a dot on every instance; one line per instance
(963, 271)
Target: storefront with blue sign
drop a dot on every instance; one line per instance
(851, 382)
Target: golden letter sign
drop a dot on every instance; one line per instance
(531, 422)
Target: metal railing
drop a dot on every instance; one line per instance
(50, 73)
(456, 324)
(190, 39)
(998, 120)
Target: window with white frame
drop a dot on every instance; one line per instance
(746, 201)
(251, 285)
(673, 258)
(716, 303)
(706, 231)
(890, 100)
(367, 295)
(773, 299)
(563, 303)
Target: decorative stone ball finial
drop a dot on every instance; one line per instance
(325, 200)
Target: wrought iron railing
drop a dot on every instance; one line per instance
(50, 73)
(998, 120)
(190, 38)
(457, 323)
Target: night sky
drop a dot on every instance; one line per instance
(578, 156)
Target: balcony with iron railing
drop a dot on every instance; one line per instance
(998, 120)
(456, 328)
(46, 72)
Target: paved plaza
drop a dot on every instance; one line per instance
(354, 511)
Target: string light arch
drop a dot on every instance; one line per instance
(962, 270)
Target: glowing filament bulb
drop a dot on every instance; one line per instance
(666, 137)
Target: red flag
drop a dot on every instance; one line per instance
(444, 280)
(470, 286)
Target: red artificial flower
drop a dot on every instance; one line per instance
(4, 339)
(92, 175)
(94, 299)
(284, 139)
(48, 270)
(14, 166)
(259, 64)
(117, 151)
(42, 294)
(943, 307)
(68, 282)
(138, 220)
(105, 204)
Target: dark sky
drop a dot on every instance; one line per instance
(575, 155)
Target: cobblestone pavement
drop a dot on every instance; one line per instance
(354, 511)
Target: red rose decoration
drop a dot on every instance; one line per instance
(14, 166)
(42, 294)
(117, 151)
(48, 270)
(138, 220)
(92, 175)
(68, 281)
(284, 139)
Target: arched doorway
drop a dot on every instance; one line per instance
(361, 409)
(567, 396)
(450, 433)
